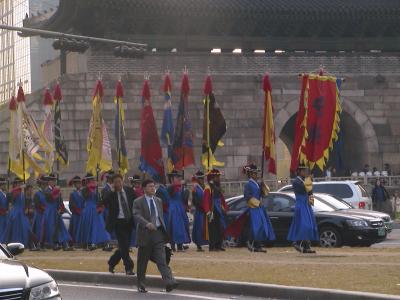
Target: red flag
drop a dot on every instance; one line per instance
(320, 123)
(269, 128)
(151, 155)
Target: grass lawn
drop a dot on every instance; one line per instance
(358, 269)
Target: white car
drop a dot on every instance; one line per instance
(350, 191)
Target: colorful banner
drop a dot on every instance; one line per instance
(59, 142)
(122, 153)
(47, 128)
(183, 155)
(269, 128)
(151, 161)
(98, 146)
(318, 120)
(167, 131)
(214, 128)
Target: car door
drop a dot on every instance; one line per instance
(280, 209)
(235, 209)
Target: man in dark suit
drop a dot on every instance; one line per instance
(151, 236)
(120, 220)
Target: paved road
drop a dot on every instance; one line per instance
(76, 291)
(393, 240)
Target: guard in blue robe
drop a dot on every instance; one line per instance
(199, 234)
(176, 220)
(18, 228)
(93, 229)
(39, 202)
(55, 233)
(254, 222)
(3, 205)
(304, 227)
(259, 227)
(215, 208)
(76, 205)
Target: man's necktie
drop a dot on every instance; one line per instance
(153, 214)
(125, 207)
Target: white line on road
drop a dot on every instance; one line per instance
(150, 292)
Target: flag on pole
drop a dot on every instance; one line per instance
(122, 154)
(320, 125)
(34, 143)
(167, 131)
(59, 142)
(15, 163)
(47, 128)
(214, 128)
(151, 155)
(269, 128)
(183, 154)
(98, 146)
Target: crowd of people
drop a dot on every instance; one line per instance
(139, 215)
(35, 219)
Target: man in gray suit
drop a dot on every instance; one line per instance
(151, 236)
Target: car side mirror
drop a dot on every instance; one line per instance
(15, 248)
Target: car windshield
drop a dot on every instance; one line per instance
(334, 201)
(2, 253)
(322, 206)
(364, 193)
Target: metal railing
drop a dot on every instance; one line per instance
(235, 188)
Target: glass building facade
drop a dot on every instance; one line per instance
(21, 58)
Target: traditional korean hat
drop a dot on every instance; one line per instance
(251, 168)
(174, 173)
(135, 178)
(212, 173)
(3, 180)
(108, 174)
(74, 180)
(50, 177)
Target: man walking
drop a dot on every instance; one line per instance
(120, 220)
(151, 237)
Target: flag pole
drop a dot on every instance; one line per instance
(119, 131)
(263, 139)
(185, 71)
(208, 124)
(8, 172)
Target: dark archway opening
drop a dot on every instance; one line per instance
(348, 154)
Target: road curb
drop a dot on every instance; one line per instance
(220, 287)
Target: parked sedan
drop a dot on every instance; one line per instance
(336, 228)
(19, 281)
(344, 207)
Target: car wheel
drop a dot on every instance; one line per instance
(329, 237)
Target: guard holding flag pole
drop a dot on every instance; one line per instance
(304, 228)
(215, 208)
(259, 227)
(199, 223)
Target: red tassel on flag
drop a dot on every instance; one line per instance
(57, 95)
(13, 104)
(20, 95)
(48, 100)
(208, 86)
(119, 93)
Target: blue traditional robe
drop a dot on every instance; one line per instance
(304, 225)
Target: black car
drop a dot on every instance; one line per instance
(344, 207)
(335, 227)
(19, 281)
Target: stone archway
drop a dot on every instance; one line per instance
(360, 142)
